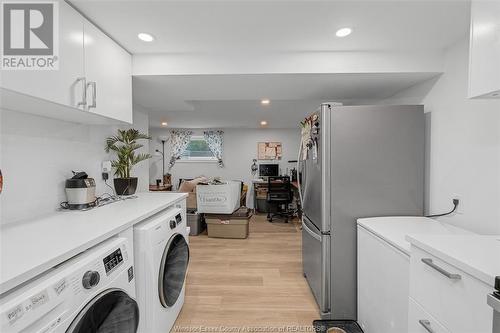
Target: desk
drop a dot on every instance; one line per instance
(155, 188)
(260, 195)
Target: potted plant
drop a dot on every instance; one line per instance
(124, 144)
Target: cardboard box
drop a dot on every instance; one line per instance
(229, 225)
(191, 201)
(218, 199)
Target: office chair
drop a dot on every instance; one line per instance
(279, 195)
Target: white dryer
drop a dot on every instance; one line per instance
(384, 268)
(92, 292)
(161, 258)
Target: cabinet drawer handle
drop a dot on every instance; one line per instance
(93, 85)
(427, 325)
(429, 262)
(83, 102)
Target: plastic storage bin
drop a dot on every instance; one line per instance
(229, 225)
(196, 222)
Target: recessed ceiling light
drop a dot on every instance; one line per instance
(164, 123)
(265, 102)
(343, 32)
(145, 37)
(263, 123)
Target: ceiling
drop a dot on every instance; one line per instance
(244, 27)
(210, 101)
(239, 26)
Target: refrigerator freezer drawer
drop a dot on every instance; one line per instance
(314, 261)
(311, 260)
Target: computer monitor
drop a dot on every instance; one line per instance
(269, 170)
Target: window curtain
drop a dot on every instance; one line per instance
(179, 140)
(215, 141)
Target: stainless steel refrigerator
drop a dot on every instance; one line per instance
(355, 161)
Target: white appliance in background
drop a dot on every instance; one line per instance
(494, 302)
(95, 289)
(161, 255)
(384, 269)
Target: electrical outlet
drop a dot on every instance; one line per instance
(460, 207)
(105, 170)
(106, 167)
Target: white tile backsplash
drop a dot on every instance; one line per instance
(38, 154)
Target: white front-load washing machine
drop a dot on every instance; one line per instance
(92, 292)
(161, 259)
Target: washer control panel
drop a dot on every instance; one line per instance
(113, 260)
(178, 219)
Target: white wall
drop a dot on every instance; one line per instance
(240, 147)
(365, 61)
(464, 145)
(38, 154)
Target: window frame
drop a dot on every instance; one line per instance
(185, 159)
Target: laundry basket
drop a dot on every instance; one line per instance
(221, 198)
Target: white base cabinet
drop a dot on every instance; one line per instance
(383, 277)
(454, 298)
(419, 321)
(384, 269)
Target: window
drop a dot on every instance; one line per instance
(198, 150)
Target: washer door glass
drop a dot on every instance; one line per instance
(111, 311)
(173, 269)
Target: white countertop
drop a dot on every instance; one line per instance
(29, 248)
(394, 229)
(476, 255)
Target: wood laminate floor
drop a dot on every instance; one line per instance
(245, 285)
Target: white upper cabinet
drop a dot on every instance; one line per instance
(95, 75)
(108, 70)
(60, 86)
(484, 62)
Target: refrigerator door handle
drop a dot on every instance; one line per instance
(301, 173)
(310, 232)
(298, 174)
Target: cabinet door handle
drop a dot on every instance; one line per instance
(83, 102)
(452, 276)
(93, 85)
(427, 325)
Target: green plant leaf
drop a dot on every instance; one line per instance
(124, 144)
